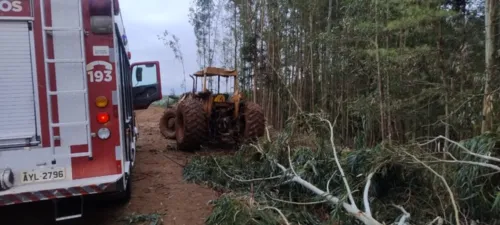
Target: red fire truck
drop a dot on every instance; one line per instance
(67, 98)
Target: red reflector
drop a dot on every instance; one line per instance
(103, 117)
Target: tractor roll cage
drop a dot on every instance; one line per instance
(212, 72)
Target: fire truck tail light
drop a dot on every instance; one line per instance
(103, 117)
(101, 101)
(103, 133)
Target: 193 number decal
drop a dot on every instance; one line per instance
(99, 71)
(100, 76)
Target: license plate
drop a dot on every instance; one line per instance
(43, 175)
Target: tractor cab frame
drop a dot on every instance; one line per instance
(218, 100)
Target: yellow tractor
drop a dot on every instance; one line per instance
(207, 117)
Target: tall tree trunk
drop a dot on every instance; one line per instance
(379, 78)
(326, 59)
(490, 17)
(311, 45)
(387, 88)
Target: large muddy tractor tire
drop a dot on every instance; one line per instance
(191, 125)
(254, 123)
(167, 123)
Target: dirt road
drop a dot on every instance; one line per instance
(158, 187)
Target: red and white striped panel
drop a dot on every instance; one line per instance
(52, 194)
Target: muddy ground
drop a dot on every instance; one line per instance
(158, 187)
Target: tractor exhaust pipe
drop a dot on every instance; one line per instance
(194, 83)
(6, 179)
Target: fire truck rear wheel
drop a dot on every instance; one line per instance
(167, 123)
(190, 124)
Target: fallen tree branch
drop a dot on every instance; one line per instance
(350, 208)
(297, 203)
(405, 216)
(290, 161)
(279, 212)
(438, 219)
(365, 194)
(463, 148)
(291, 175)
(455, 160)
(452, 198)
(487, 165)
(334, 149)
(354, 211)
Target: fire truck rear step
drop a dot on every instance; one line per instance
(68, 208)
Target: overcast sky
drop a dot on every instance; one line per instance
(146, 19)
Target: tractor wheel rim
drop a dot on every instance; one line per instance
(171, 123)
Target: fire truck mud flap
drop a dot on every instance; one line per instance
(61, 189)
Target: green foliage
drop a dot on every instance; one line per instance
(149, 219)
(473, 186)
(234, 210)
(398, 180)
(167, 100)
(414, 15)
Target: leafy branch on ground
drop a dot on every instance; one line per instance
(323, 183)
(153, 219)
